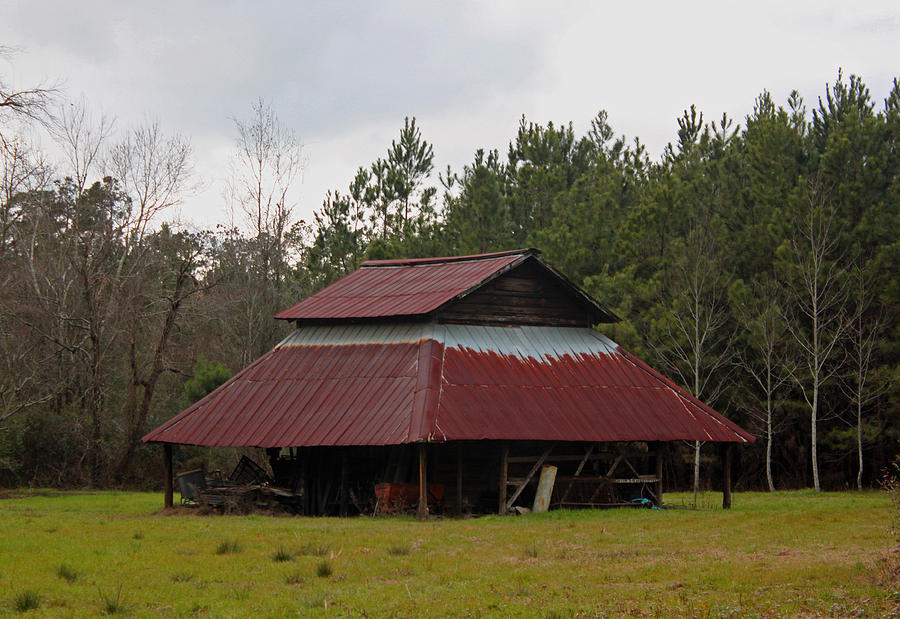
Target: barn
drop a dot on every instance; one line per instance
(452, 384)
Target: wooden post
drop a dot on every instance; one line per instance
(167, 482)
(304, 480)
(659, 473)
(726, 476)
(504, 466)
(345, 481)
(459, 476)
(422, 512)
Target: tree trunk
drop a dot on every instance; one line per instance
(859, 444)
(813, 438)
(769, 478)
(696, 469)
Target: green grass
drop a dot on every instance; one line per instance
(784, 554)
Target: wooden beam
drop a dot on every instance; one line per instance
(167, 480)
(534, 469)
(726, 476)
(601, 455)
(422, 512)
(614, 465)
(587, 455)
(504, 469)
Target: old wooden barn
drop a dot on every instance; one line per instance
(459, 378)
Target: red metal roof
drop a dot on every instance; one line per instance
(382, 288)
(402, 383)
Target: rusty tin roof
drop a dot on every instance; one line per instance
(416, 287)
(400, 383)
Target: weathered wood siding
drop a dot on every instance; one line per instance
(527, 295)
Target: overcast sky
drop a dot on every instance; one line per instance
(344, 75)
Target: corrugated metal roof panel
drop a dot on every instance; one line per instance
(400, 287)
(392, 384)
(577, 379)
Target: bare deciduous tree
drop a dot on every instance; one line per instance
(696, 340)
(815, 280)
(155, 170)
(762, 358)
(81, 137)
(268, 161)
(267, 164)
(31, 103)
(862, 383)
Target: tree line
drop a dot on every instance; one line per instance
(753, 262)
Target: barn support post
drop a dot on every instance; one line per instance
(167, 481)
(422, 512)
(345, 481)
(726, 476)
(304, 479)
(660, 453)
(504, 469)
(459, 476)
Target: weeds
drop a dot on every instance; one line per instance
(531, 550)
(314, 550)
(521, 589)
(890, 482)
(182, 577)
(294, 578)
(324, 569)
(282, 555)
(398, 550)
(228, 547)
(27, 600)
(112, 605)
(889, 566)
(138, 535)
(320, 600)
(67, 573)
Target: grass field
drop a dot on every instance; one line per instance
(785, 554)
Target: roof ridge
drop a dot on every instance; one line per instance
(449, 259)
